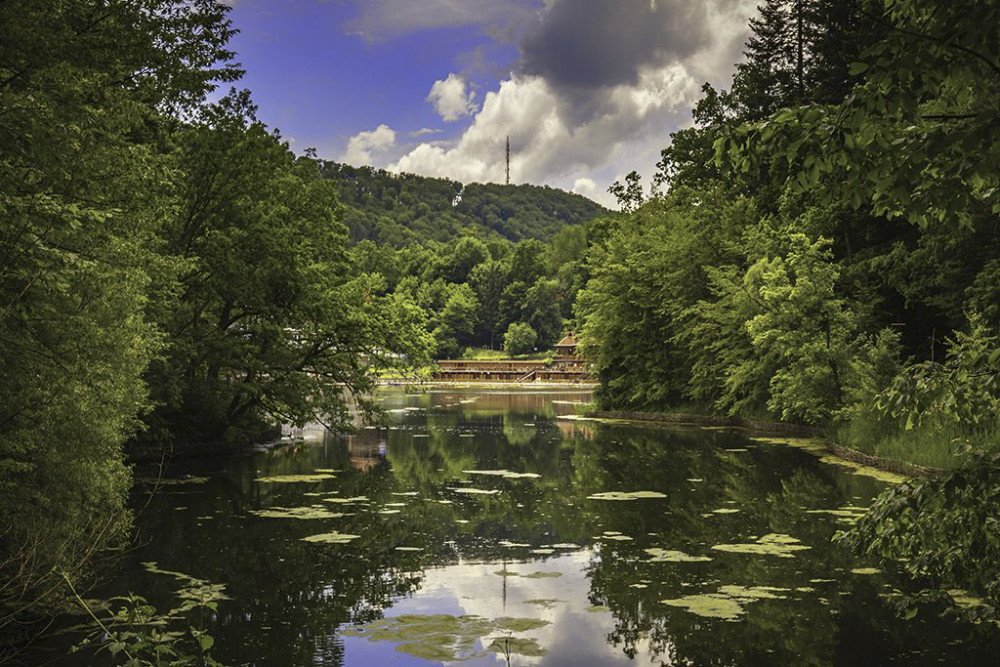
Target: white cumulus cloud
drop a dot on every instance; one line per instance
(451, 99)
(549, 141)
(362, 146)
(585, 186)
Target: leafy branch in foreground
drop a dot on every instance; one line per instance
(943, 533)
(131, 631)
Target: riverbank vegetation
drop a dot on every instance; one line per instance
(822, 247)
(171, 271)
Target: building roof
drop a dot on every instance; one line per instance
(568, 341)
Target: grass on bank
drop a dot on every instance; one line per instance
(486, 354)
(934, 444)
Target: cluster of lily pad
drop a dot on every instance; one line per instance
(448, 638)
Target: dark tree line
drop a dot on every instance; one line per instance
(824, 248)
(168, 269)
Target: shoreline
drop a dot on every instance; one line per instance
(847, 454)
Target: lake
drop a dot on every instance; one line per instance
(484, 526)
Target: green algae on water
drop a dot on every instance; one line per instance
(447, 638)
(774, 544)
(865, 570)
(667, 556)
(294, 479)
(625, 495)
(728, 603)
(709, 606)
(533, 575)
(176, 481)
(506, 474)
(193, 594)
(597, 608)
(818, 447)
(313, 512)
(333, 537)
(355, 499)
(516, 646)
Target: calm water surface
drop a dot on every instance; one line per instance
(480, 527)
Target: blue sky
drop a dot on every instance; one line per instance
(587, 89)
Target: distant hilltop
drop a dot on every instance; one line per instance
(404, 209)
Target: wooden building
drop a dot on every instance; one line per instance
(564, 367)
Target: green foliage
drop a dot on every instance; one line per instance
(456, 321)
(965, 389)
(917, 138)
(646, 281)
(405, 209)
(519, 339)
(941, 532)
(270, 320)
(89, 94)
(803, 330)
(133, 634)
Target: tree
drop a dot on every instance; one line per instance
(542, 312)
(456, 322)
(466, 255)
(270, 322)
(89, 94)
(630, 194)
(519, 339)
(489, 280)
(925, 112)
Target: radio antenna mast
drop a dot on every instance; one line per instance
(508, 159)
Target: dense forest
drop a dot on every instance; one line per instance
(171, 271)
(825, 249)
(405, 209)
(821, 247)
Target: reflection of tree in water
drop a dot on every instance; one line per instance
(819, 624)
(290, 596)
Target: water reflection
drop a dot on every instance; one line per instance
(489, 504)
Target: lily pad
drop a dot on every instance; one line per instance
(355, 499)
(667, 556)
(333, 537)
(625, 495)
(296, 513)
(710, 606)
(446, 638)
(516, 646)
(506, 474)
(533, 575)
(295, 479)
(774, 544)
(547, 603)
(476, 492)
(728, 602)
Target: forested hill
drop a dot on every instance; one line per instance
(400, 209)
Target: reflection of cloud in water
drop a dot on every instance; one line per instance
(574, 637)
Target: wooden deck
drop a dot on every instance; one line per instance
(511, 370)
